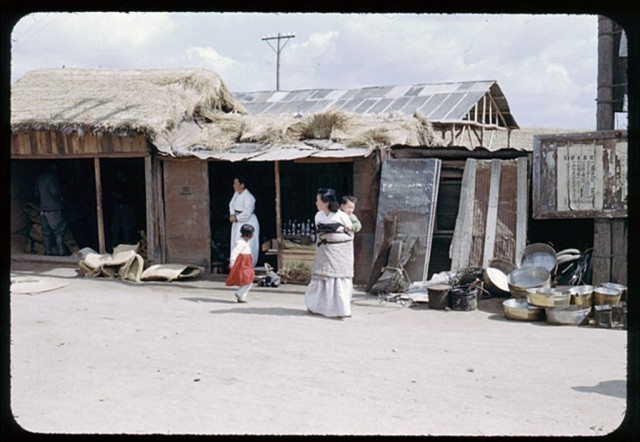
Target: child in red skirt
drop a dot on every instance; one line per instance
(241, 264)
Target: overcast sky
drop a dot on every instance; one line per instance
(546, 65)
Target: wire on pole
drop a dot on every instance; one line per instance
(277, 50)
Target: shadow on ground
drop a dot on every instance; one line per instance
(274, 311)
(616, 388)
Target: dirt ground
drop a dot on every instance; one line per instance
(106, 356)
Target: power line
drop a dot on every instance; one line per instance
(277, 50)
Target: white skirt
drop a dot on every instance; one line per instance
(328, 296)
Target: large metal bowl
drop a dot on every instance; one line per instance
(569, 315)
(620, 287)
(582, 295)
(520, 310)
(540, 255)
(548, 297)
(606, 295)
(495, 276)
(528, 277)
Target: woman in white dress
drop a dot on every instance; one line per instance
(241, 211)
(331, 287)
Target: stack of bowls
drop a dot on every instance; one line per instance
(524, 278)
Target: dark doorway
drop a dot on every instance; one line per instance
(299, 183)
(78, 188)
(124, 200)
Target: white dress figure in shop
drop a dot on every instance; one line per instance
(241, 211)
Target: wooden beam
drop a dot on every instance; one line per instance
(276, 167)
(162, 231)
(150, 206)
(492, 213)
(99, 210)
(601, 258)
(461, 243)
(619, 242)
(522, 204)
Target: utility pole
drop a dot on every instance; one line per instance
(277, 50)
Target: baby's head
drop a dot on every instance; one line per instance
(348, 204)
(247, 231)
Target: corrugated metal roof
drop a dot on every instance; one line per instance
(441, 103)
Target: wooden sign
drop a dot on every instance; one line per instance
(580, 175)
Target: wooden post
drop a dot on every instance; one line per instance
(276, 166)
(99, 211)
(162, 231)
(604, 111)
(609, 261)
(150, 206)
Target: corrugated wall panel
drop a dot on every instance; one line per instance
(409, 191)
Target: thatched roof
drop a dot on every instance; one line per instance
(190, 112)
(118, 101)
(322, 131)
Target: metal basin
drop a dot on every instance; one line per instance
(520, 310)
(569, 315)
(620, 287)
(606, 295)
(547, 297)
(540, 255)
(495, 276)
(525, 278)
(582, 295)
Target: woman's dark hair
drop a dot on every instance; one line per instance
(329, 196)
(247, 230)
(349, 198)
(241, 179)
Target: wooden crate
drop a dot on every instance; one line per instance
(295, 257)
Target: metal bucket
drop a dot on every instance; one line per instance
(606, 295)
(439, 296)
(464, 299)
(582, 295)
